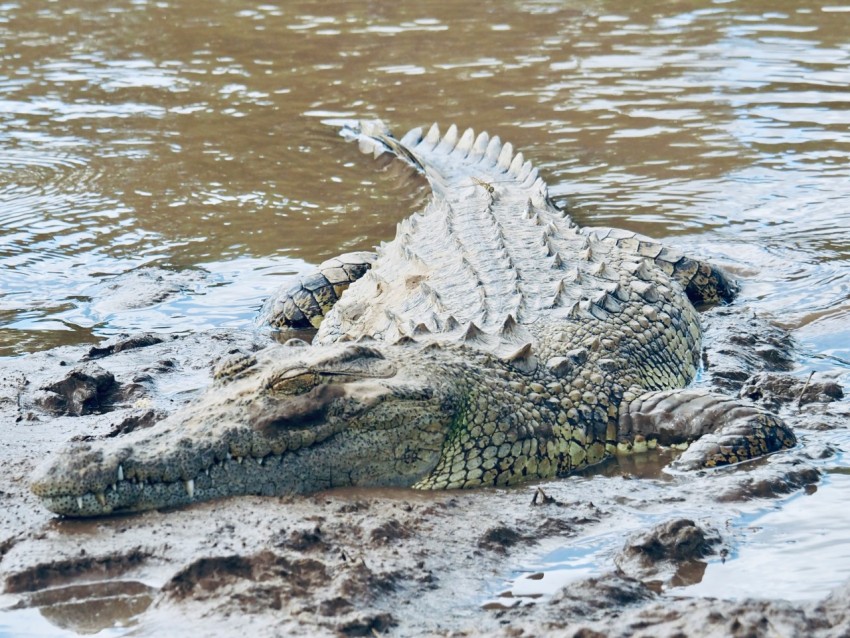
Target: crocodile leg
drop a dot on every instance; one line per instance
(718, 430)
(304, 303)
(705, 284)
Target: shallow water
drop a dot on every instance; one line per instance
(794, 548)
(106, 609)
(800, 542)
(188, 136)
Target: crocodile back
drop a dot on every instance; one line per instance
(490, 261)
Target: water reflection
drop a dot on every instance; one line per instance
(100, 608)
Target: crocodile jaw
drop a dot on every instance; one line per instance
(359, 419)
(300, 471)
(112, 477)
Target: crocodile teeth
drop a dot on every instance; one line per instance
(260, 461)
(120, 472)
(114, 487)
(239, 460)
(100, 498)
(79, 502)
(190, 487)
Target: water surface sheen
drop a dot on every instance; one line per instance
(188, 136)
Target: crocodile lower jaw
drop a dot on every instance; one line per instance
(233, 475)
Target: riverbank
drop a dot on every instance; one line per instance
(400, 562)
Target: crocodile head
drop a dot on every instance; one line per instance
(287, 419)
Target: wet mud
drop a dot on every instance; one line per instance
(394, 562)
(616, 605)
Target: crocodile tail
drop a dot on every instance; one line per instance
(373, 136)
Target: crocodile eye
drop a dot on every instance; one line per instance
(293, 382)
(355, 362)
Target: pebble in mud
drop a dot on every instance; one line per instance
(500, 538)
(774, 390)
(85, 389)
(665, 552)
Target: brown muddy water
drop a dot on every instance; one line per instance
(189, 136)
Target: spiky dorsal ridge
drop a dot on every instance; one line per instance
(481, 152)
(479, 264)
(495, 161)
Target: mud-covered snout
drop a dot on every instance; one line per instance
(77, 468)
(81, 479)
(281, 420)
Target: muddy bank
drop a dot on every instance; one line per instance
(616, 605)
(366, 562)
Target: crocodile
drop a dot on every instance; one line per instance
(493, 341)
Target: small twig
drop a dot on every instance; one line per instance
(803, 391)
(541, 497)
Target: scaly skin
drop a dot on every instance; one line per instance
(304, 303)
(423, 415)
(491, 343)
